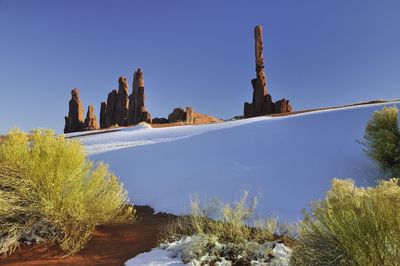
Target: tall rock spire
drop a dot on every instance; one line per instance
(74, 121)
(103, 115)
(121, 111)
(259, 55)
(111, 108)
(262, 103)
(91, 119)
(137, 110)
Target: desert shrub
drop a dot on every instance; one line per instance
(352, 226)
(382, 140)
(49, 188)
(222, 231)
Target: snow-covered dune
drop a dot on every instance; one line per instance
(286, 161)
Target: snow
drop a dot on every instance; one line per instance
(188, 247)
(286, 161)
(155, 257)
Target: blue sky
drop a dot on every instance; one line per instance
(193, 53)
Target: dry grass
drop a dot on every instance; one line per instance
(229, 223)
(226, 232)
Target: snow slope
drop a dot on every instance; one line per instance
(286, 161)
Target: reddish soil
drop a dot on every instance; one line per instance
(110, 245)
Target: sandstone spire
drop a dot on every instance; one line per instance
(262, 103)
(74, 120)
(111, 108)
(137, 110)
(121, 111)
(103, 115)
(91, 120)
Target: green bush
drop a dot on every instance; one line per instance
(49, 188)
(382, 140)
(352, 226)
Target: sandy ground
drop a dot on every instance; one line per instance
(110, 245)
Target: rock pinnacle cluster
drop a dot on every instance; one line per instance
(122, 109)
(74, 121)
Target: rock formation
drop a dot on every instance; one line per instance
(111, 109)
(282, 106)
(74, 120)
(262, 103)
(121, 108)
(199, 118)
(137, 111)
(103, 115)
(159, 120)
(187, 116)
(91, 120)
(180, 115)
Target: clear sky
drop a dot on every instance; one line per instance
(193, 53)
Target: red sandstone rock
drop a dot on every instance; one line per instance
(262, 103)
(137, 111)
(121, 109)
(111, 108)
(189, 116)
(103, 115)
(74, 120)
(177, 115)
(282, 106)
(91, 120)
(160, 120)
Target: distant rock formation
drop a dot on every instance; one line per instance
(91, 120)
(74, 121)
(137, 111)
(111, 109)
(159, 120)
(186, 116)
(262, 103)
(115, 110)
(123, 110)
(103, 115)
(282, 106)
(199, 118)
(180, 115)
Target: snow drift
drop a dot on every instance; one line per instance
(286, 161)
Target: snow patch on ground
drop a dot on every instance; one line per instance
(118, 138)
(175, 253)
(286, 161)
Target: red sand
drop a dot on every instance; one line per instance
(110, 245)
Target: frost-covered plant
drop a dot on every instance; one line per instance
(206, 250)
(352, 226)
(223, 231)
(382, 140)
(50, 189)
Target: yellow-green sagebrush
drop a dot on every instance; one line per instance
(382, 140)
(48, 186)
(352, 226)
